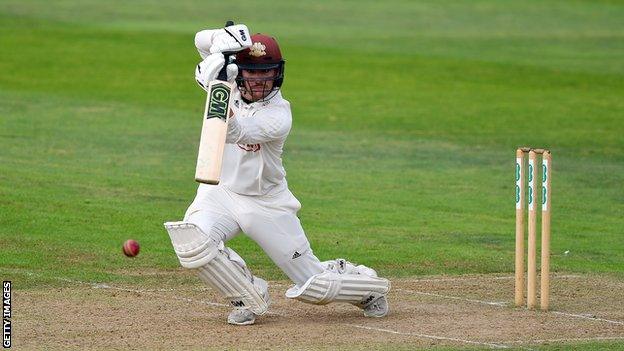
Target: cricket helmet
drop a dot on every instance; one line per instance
(264, 54)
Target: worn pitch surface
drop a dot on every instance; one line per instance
(466, 311)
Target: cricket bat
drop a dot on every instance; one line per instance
(214, 127)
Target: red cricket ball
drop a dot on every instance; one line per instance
(131, 248)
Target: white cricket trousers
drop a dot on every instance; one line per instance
(270, 221)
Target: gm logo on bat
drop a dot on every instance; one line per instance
(219, 98)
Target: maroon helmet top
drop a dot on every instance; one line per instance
(264, 53)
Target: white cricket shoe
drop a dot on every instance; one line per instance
(241, 316)
(377, 308)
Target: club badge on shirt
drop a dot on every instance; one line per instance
(249, 147)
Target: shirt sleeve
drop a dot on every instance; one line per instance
(263, 126)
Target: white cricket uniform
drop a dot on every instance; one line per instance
(253, 194)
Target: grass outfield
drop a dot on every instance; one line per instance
(406, 120)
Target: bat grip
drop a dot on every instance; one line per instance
(223, 73)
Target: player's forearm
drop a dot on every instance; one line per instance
(256, 130)
(245, 133)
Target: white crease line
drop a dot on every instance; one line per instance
(540, 341)
(563, 276)
(186, 299)
(152, 292)
(590, 317)
(504, 304)
(138, 291)
(491, 303)
(106, 286)
(281, 284)
(437, 280)
(434, 337)
(434, 280)
(497, 304)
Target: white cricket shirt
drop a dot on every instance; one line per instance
(252, 160)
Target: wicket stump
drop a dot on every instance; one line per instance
(532, 228)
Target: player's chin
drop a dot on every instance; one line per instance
(258, 95)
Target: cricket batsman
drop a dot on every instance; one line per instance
(253, 196)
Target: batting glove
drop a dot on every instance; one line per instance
(229, 39)
(208, 70)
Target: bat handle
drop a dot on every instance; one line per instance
(223, 73)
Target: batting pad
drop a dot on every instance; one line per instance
(326, 287)
(196, 250)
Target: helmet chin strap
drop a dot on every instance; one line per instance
(268, 96)
(246, 100)
(270, 93)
